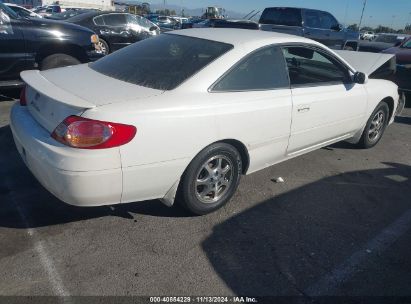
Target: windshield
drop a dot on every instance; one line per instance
(8, 11)
(407, 44)
(163, 62)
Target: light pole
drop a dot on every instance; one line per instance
(362, 14)
(392, 22)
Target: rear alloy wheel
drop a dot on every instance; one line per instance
(211, 179)
(57, 61)
(375, 127)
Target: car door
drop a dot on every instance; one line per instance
(334, 33)
(12, 47)
(313, 28)
(256, 92)
(115, 28)
(327, 105)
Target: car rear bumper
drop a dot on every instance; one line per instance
(50, 163)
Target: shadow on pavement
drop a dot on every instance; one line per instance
(403, 119)
(287, 243)
(18, 184)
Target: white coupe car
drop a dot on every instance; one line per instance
(180, 117)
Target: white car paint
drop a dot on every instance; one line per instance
(366, 62)
(174, 126)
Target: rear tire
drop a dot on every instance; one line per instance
(57, 61)
(375, 127)
(211, 179)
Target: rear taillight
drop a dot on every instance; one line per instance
(23, 99)
(84, 133)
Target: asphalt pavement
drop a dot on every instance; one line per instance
(340, 224)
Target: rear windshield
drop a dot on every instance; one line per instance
(162, 62)
(281, 16)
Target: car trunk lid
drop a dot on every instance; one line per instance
(55, 94)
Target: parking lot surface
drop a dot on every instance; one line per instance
(340, 224)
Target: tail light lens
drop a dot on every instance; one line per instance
(23, 99)
(84, 133)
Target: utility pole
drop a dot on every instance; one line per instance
(392, 22)
(362, 14)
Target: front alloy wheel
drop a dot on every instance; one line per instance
(375, 127)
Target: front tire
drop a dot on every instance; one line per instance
(104, 47)
(375, 126)
(211, 179)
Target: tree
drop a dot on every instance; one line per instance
(384, 29)
(367, 29)
(353, 27)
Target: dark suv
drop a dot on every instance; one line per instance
(34, 43)
(309, 23)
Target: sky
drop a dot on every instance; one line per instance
(395, 13)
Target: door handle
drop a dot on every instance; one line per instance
(303, 109)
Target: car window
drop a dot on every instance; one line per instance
(386, 38)
(140, 21)
(5, 24)
(327, 21)
(407, 44)
(115, 19)
(312, 19)
(310, 67)
(98, 20)
(163, 62)
(144, 22)
(281, 16)
(262, 70)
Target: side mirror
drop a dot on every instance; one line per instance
(360, 78)
(153, 28)
(337, 27)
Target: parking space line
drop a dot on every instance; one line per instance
(53, 276)
(328, 284)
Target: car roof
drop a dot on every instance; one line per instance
(238, 37)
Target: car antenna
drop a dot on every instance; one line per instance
(249, 14)
(254, 15)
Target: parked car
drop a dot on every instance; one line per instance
(29, 43)
(140, 128)
(49, 10)
(21, 11)
(314, 24)
(403, 56)
(167, 23)
(116, 30)
(367, 36)
(223, 23)
(69, 13)
(382, 42)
